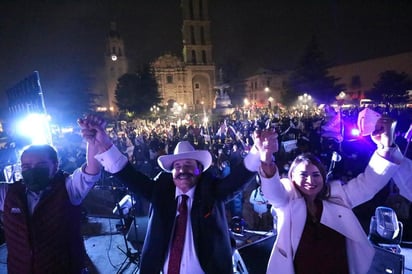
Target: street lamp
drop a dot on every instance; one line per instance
(246, 104)
(267, 91)
(154, 110)
(204, 112)
(205, 120)
(305, 100)
(305, 97)
(341, 98)
(203, 107)
(270, 101)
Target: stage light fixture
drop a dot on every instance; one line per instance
(385, 230)
(125, 205)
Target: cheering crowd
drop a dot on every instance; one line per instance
(229, 139)
(296, 172)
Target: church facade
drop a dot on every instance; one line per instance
(186, 81)
(189, 81)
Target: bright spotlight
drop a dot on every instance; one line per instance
(355, 132)
(36, 127)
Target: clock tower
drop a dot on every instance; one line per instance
(115, 66)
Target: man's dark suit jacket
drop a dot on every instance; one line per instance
(211, 234)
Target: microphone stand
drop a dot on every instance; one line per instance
(407, 147)
(131, 257)
(408, 137)
(335, 158)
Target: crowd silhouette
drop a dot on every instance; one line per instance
(229, 138)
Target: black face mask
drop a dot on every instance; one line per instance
(37, 178)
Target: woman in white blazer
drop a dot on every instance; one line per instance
(403, 178)
(317, 231)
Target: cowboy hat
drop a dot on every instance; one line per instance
(184, 150)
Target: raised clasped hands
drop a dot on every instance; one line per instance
(93, 130)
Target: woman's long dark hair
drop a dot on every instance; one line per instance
(312, 159)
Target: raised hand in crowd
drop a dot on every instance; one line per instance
(384, 132)
(266, 143)
(384, 136)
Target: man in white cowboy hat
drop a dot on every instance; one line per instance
(208, 247)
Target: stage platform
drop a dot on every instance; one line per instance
(107, 248)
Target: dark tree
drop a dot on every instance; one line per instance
(391, 88)
(311, 76)
(136, 93)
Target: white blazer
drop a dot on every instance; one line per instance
(403, 178)
(337, 214)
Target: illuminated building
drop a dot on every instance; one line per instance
(189, 81)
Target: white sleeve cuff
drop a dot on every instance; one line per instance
(252, 160)
(112, 160)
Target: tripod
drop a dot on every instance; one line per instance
(131, 257)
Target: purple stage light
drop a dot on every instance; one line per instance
(355, 132)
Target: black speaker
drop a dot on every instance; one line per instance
(387, 262)
(255, 255)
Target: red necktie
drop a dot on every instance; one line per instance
(178, 241)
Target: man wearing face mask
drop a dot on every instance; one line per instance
(42, 213)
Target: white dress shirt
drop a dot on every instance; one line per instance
(190, 262)
(113, 161)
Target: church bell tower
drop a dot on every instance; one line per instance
(197, 52)
(115, 66)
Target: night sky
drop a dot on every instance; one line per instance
(62, 38)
